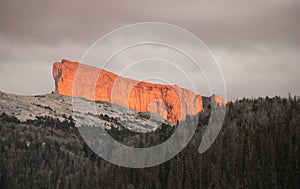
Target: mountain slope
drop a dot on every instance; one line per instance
(60, 107)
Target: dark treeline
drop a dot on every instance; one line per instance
(258, 147)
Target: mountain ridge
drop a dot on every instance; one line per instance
(169, 101)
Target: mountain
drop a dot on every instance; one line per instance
(40, 147)
(170, 102)
(150, 105)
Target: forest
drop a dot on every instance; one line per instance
(258, 147)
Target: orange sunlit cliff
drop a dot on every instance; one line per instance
(170, 102)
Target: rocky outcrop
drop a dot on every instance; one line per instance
(219, 100)
(170, 102)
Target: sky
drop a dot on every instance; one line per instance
(256, 43)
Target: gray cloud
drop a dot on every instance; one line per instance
(256, 43)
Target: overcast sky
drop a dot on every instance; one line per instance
(256, 43)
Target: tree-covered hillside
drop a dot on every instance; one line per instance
(258, 147)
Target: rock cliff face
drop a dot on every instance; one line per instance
(219, 100)
(170, 102)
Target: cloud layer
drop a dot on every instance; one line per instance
(256, 43)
